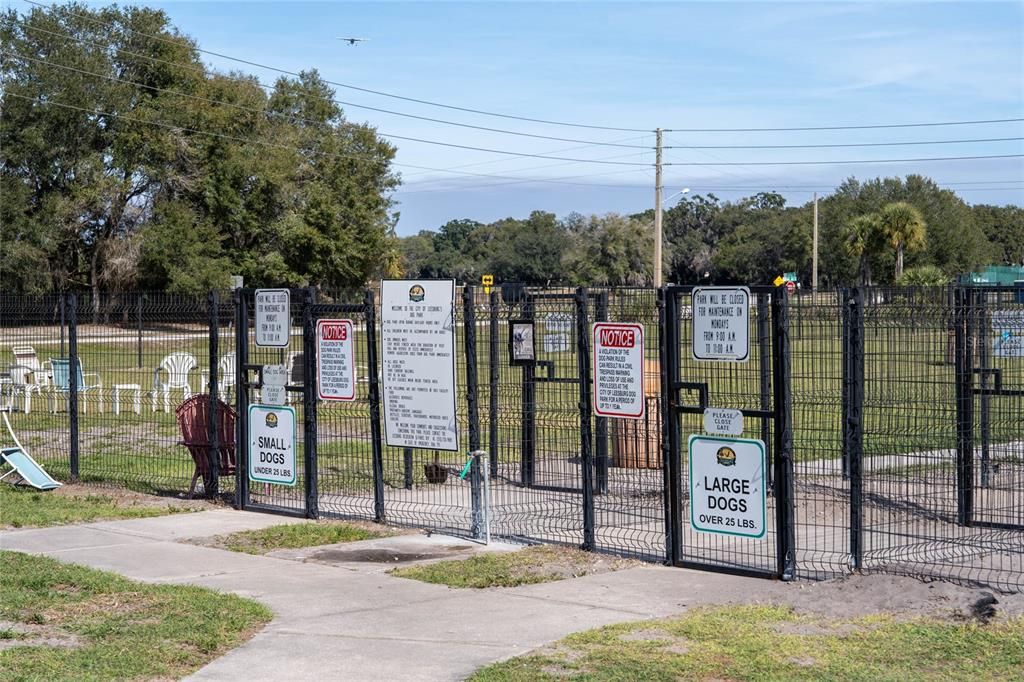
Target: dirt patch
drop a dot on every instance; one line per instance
(27, 634)
(566, 562)
(379, 555)
(121, 603)
(649, 635)
(123, 497)
(857, 596)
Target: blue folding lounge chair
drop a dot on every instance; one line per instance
(22, 465)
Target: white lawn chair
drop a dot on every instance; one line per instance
(225, 376)
(172, 374)
(27, 376)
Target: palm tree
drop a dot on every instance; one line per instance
(904, 228)
(862, 239)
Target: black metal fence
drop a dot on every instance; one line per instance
(893, 420)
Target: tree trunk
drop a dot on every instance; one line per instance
(94, 285)
(899, 260)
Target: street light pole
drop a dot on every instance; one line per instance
(657, 209)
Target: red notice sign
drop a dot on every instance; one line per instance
(335, 360)
(619, 370)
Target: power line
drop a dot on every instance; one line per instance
(305, 120)
(849, 161)
(853, 144)
(843, 127)
(361, 89)
(538, 120)
(197, 131)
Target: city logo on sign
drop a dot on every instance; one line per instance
(271, 420)
(417, 294)
(726, 456)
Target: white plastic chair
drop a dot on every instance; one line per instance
(27, 376)
(225, 376)
(172, 374)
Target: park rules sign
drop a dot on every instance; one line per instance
(619, 370)
(272, 444)
(727, 486)
(721, 323)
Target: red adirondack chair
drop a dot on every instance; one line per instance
(193, 418)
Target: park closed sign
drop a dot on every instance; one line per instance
(721, 324)
(727, 486)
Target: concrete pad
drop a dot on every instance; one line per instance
(59, 539)
(197, 524)
(302, 656)
(380, 555)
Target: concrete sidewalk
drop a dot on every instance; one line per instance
(350, 623)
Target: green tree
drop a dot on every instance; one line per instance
(610, 250)
(1004, 227)
(862, 239)
(904, 228)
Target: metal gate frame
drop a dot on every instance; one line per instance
(780, 413)
(976, 377)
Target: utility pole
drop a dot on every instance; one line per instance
(814, 252)
(657, 209)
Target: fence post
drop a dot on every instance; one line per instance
(495, 368)
(764, 354)
(528, 438)
(309, 407)
(72, 320)
(853, 426)
(586, 459)
(669, 429)
(785, 538)
(378, 456)
(63, 321)
(964, 347)
(241, 399)
(213, 427)
(601, 423)
(472, 389)
(138, 320)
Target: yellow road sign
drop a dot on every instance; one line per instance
(487, 280)
(779, 281)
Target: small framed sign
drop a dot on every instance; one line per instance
(522, 349)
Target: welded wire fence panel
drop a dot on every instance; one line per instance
(344, 435)
(724, 384)
(817, 324)
(630, 506)
(533, 415)
(422, 487)
(283, 497)
(31, 332)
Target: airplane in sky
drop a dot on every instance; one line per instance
(353, 41)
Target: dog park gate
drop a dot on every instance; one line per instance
(759, 389)
(990, 350)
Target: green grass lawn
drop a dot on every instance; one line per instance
(295, 536)
(69, 622)
(773, 643)
(22, 507)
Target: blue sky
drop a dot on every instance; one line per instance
(640, 66)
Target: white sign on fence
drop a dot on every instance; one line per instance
(723, 422)
(335, 360)
(275, 375)
(721, 323)
(273, 317)
(418, 362)
(1008, 333)
(556, 343)
(727, 486)
(273, 395)
(558, 322)
(272, 444)
(619, 370)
